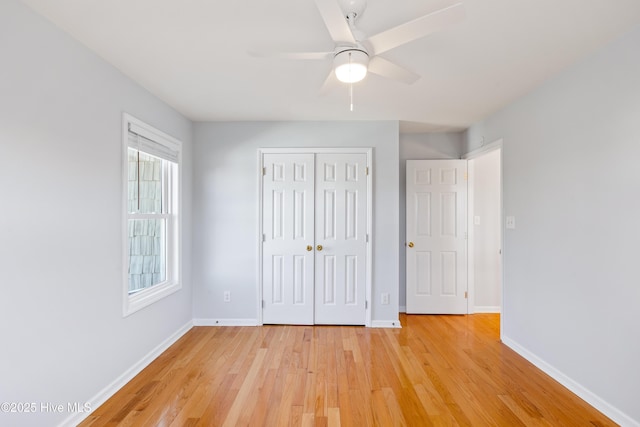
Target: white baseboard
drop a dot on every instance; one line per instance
(486, 309)
(386, 324)
(118, 383)
(225, 322)
(585, 394)
(476, 309)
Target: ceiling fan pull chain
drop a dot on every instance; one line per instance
(351, 94)
(350, 85)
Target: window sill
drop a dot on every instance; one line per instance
(142, 299)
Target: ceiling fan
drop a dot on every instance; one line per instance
(356, 54)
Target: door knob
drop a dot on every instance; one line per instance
(309, 248)
(319, 247)
(410, 244)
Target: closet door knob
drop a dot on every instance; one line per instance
(309, 248)
(410, 244)
(319, 247)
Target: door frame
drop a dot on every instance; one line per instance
(492, 146)
(259, 238)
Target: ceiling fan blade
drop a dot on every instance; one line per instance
(291, 55)
(388, 69)
(416, 29)
(335, 21)
(328, 84)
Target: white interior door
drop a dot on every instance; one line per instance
(288, 238)
(341, 233)
(314, 252)
(436, 237)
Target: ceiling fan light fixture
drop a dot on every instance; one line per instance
(351, 65)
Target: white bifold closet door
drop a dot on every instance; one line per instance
(314, 238)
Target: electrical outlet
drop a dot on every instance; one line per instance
(227, 296)
(385, 298)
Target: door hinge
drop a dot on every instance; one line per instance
(366, 305)
(264, 171)
(466, 176)
(465, 235)
(264, 237)
(262, 303)
(466, 294)
(367, 238)
(367, 170)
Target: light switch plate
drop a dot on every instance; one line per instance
(385, 298)
(476, 220)
(511, 222)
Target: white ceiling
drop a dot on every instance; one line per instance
(193, 55)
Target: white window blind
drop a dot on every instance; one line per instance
(151, 143)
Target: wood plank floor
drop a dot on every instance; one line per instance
(436, 370)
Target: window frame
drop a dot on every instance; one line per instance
(133, 302)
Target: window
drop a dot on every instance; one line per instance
(151, 231)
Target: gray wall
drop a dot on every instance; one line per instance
(226, 209)
(63, 335)
(423, 146)
(570, 157)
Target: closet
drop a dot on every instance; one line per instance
(315, 215)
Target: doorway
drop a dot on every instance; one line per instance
(428, 291)
(485, 232)
(315, 236)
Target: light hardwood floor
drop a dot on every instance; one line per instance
(436, 370)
